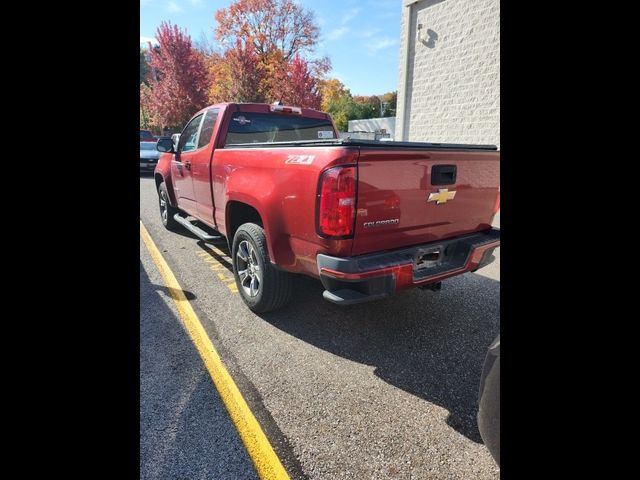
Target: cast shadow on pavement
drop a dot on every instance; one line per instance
(172, 291)
(430, 344)
(185, 431)
(213, 253)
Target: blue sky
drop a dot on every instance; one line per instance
(361, 37)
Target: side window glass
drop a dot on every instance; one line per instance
(207, 127)
(189, 135)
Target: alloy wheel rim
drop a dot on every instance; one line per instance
(248, 268)
(163, 207)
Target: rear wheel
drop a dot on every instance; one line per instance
(166, 210)
(262, 287)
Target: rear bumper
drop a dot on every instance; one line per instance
(349, 280)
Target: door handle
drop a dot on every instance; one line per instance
(187, 164)
(443, 174)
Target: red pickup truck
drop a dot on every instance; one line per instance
(288, 196)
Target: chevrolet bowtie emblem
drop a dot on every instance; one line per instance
(442, 196)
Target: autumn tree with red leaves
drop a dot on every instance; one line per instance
(269, 25)
(267, 45)
(178, 81)
(237, 75)
(263, 62)
(295, 85)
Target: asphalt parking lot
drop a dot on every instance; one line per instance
(380, 390)
(185, 430)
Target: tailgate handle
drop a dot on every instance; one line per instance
(443, 174)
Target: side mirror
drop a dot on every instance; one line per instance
(165, 145)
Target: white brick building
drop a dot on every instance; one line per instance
(449, 86)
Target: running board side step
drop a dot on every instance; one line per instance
(197, 231)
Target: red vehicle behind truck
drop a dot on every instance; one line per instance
(288, 196)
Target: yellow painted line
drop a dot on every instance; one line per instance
(264, 458)
(216, 266)
(218, 251)
(214, 261)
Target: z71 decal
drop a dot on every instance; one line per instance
(300, 159)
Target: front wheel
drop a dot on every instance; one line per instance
(262, 287)
(166, 210)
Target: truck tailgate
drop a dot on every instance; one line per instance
(394, 186)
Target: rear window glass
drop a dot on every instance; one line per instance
(147, 146)
(145, 134)
(274, 127)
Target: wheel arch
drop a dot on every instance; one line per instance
(159, 178)
(239, 212)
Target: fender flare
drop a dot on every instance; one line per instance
(172, 194)
(270, 225)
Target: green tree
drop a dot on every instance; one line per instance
(366, 107)
(343, 109)
(331, 90)
(144, 66)
(390, 100)
(342, 106)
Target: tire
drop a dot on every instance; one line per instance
(264, 288)
(166, 210)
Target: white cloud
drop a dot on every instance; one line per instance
(336, 33)
(377, 45)
(339, 32)
(350, 15)
(369, 33)
(148, 39)
(173, 7)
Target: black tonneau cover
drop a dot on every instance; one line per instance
(347, 142)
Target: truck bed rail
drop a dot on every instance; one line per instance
(346, 142)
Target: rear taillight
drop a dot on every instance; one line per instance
(337, 202)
